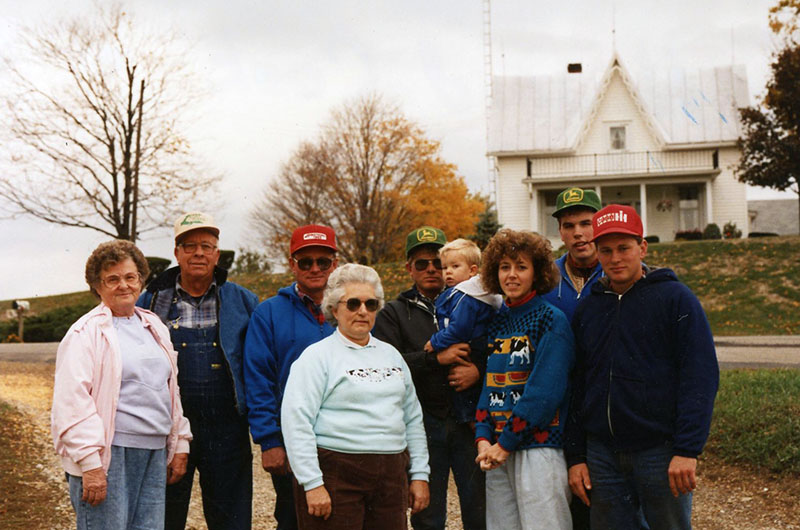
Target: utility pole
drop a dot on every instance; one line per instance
(487, 81)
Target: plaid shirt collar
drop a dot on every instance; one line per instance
(316, 309)
(196, 311)
(184, 294)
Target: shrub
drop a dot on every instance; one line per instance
(157, 266)
(652, 239)
(730, 231)
(47, 327)
(251, 262)
(712, 231)
(689, 235)
(762, 234)
(226, 259)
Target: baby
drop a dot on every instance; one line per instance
(463, 312)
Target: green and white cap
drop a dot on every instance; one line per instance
(572, 197)
(194, 220)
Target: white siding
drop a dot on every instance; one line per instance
(512, 195)
(728, 194)
(617, 107)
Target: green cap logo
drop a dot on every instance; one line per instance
(193, 219)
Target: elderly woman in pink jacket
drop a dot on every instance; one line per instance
(117, 420)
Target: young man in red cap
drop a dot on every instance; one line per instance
(645, 380)
(280, 329)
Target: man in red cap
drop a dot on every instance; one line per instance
(280, 329)
(645, 379)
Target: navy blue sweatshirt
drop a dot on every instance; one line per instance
(646, 369)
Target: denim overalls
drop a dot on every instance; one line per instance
(221, 449)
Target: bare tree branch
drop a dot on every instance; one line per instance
(93, 133)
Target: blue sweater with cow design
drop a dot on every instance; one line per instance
(525, 396)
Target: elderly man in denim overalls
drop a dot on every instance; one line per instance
(207, 317)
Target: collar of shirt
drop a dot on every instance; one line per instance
(352, 345)
(316, 309)
(183, 293)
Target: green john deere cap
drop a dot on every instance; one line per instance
(424, 235)
(577, 197)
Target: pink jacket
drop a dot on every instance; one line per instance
(86, 391)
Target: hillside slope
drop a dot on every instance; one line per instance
(747, 286)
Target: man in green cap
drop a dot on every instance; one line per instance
(579, 269)
(407, 323)
(579, 266)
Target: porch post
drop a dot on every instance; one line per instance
(533, 211)
(709, 202)
(643, 201)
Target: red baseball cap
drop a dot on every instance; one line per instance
(312, 236)
(617, 219)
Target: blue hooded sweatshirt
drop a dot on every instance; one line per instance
(564, 296)
(280, 329)
(646, 369)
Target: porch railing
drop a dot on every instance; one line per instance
(655, 162)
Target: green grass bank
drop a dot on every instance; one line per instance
(746, 286)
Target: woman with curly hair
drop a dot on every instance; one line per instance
(117, 420)
(520, 414)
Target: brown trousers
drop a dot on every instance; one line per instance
(367, 491)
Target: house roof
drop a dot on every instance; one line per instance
(551, 114)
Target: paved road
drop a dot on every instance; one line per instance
(733, 352)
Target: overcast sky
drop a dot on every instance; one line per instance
(276, 69)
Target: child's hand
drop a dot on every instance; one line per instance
(428, 348)
(455, 354)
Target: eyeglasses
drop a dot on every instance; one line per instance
(305, 264)
(354, 304)
(422, 264)
(191, 248)
(112, 282)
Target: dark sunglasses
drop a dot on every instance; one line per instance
(305, 264)
(422, 264)
(354, 304)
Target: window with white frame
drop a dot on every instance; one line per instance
(617, 137)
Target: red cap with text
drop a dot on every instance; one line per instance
(617, 219)
(312, 236)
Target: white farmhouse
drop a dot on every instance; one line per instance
(665, 145)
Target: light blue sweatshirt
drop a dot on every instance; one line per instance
(352, 399)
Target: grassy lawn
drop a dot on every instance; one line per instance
(746, 286)
(757, 420)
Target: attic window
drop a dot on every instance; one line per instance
(617, 137)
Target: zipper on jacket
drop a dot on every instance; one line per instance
(608, 400)
(611, 372)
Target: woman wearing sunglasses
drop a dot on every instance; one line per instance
(351, 421)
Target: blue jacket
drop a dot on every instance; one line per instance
(235, 305)
(280, 329)
(646, 369)
(461, 318)
(564, 296)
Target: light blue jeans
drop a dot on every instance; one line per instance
(137, 480)
(630, 491)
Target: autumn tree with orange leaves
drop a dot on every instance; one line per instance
(373, 176)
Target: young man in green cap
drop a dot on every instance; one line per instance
(579, 266)
(579, 270)
(407, 323)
